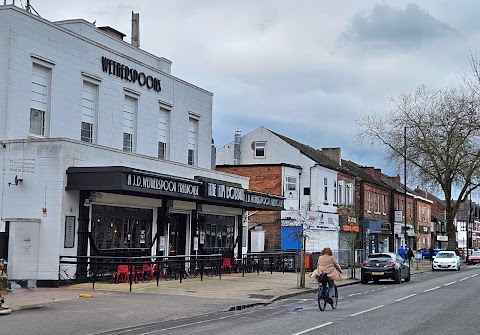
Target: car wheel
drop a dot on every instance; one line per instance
(397, 278)
(364, 280)
(458, 268)
(407, 278)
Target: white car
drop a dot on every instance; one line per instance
(446, 260)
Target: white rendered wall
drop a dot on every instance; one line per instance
(44, 183)
(23, 35)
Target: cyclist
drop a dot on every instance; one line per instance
(329, 265)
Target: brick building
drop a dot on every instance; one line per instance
(312, 181)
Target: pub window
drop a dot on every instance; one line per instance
(129, 113)
(192, 141)
(39, 99)
(89, 111)
(163, 132)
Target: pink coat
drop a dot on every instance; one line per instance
(329, 265)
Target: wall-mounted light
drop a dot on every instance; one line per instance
(16, 181)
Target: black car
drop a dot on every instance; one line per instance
(385, 265)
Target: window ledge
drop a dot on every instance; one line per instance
(36, 136)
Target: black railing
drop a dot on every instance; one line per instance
(116, 269)
(134, 269)
(270, 261)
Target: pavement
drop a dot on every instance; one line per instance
(233, 289)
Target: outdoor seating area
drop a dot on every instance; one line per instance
(134, 270)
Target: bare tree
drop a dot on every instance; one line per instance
(438, 134)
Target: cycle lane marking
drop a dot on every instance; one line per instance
(367, 310)
(313, 328)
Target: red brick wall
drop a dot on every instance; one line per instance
(263, 178)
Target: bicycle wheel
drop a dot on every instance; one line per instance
(335, 297)
(322, 301)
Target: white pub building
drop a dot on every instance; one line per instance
(105, 152)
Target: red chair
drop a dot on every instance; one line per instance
(147, 272)
(122, 273)
(227, 265)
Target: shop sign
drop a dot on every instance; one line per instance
(397, 229)
(162, 184)
(351, 228)
(442, 238)
(69, 241)
(217, 190)
(398, 216)
(161, 243)
(124, 72)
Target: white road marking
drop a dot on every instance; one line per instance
(351, 295)
(453, 282)
(431, 289)
(310, 329)
(476, 274)
(464, 279)
(408, 296)
(174, 327)
(367, 310)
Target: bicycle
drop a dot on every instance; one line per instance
(322, 295)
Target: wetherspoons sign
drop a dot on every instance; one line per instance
(239, 194)
(162, 184)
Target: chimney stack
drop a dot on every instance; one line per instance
(136, 29)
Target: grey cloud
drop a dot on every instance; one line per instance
(392, 27)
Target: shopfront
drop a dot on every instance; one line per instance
(125, 211)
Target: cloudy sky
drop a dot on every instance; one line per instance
(305, 68)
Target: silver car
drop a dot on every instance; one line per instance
(446, 260)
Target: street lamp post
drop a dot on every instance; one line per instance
(468, 224)
(405, 181)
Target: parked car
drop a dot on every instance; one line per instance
(426, 252)
(446, 260)
(474, 257)
(385, 265)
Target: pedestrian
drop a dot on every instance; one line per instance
(432, 253)
(401, 251)
(410, 256)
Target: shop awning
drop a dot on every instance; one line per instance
(125, 180)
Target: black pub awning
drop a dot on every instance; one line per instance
(125, 180)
